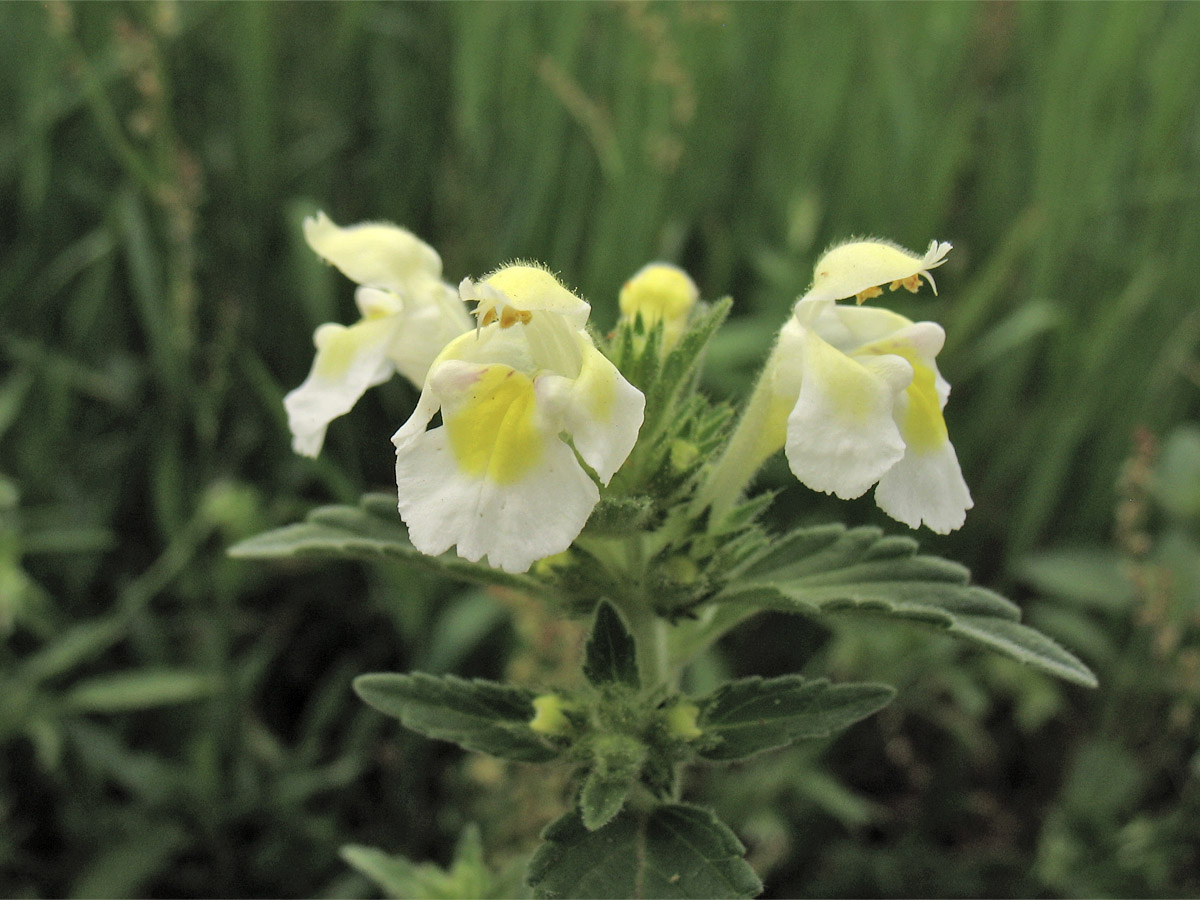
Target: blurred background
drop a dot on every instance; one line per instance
(176, 723)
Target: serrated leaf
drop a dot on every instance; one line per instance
(751, 715)
(665, 383)
(684, 359)
(672, 850)
(831, 569)
(369, 532)
(611, 655)
(478, 715)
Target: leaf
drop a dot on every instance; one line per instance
(611, 656)
(128, 865)
(468, 875)
(831, 569)
(684, 360)
(139, 689)
(371, 533)
(1088, 577)
(478, 715)
(671, 850)
(619, 516)
(602, 798)
(617, 762)
(752, 714)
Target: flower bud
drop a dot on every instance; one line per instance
(660, 292)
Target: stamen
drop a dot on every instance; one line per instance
(912, 283)
(867, 294)
(510, 317)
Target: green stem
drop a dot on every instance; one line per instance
(649, 630)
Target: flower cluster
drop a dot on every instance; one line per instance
(535, 420)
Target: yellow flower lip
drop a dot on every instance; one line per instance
(859, 269)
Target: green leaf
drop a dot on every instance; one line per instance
(617, 762)
(1089, 577)
(479, 715)
(752, 714)
(141, 689)
(611, 656)
(829, 569)
(672, 850)
(468, 875)
(372, 532)
(619, 516)
(682, 363)
(128, 865)
(602, 798)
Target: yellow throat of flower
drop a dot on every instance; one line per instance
(493, 434)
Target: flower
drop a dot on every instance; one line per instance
(497, 478)
(660, 292)
(863, 395)
(408, 315)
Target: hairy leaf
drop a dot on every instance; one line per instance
(673, 850)
(479, 715)
(370, 531)
(752, 714)
(611, 652)
(831, 569)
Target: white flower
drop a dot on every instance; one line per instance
(859, 269)
(497, 478)
(408, 316)
(865, 394)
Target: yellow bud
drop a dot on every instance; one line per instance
(681, 570)
(681, 721)
(547, 566)
(660, 292)
(550, 715)
(683, 454)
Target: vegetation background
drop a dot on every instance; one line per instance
(175, 723)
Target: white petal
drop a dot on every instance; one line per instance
(602, 413)
(348, 361)
(427, 329)
(376, 254)
(841, 436)
(513, 525)
(847, 327)
(926, 487)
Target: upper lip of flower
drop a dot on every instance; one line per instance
(860, 268)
